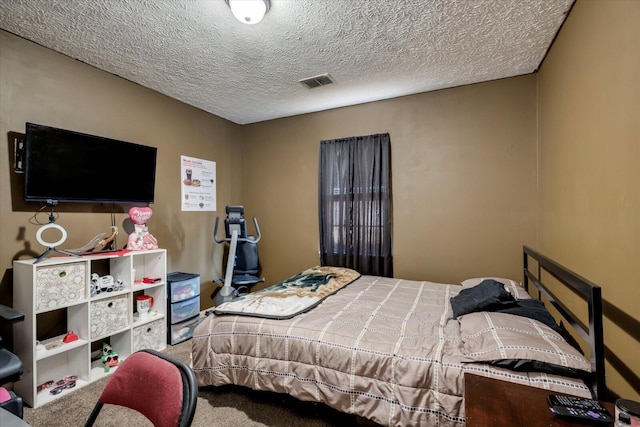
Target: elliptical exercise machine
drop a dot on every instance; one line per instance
(243, 265)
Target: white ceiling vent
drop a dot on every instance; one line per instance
(317, 81)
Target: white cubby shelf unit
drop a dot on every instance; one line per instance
(55, 296)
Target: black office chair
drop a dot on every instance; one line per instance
(160, 387)
(245, 263)
(10, 365)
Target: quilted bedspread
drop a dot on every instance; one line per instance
(382, 348)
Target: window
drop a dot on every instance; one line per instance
(355, 204)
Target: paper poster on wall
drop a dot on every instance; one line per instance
(198, 183)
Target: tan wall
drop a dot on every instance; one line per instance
(41, 86)
(466, 190)
(463, 172)
(589, 139)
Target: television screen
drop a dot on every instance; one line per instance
(69, 166)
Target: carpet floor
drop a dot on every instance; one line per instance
(217, 406)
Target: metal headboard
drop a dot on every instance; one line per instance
(592, 334)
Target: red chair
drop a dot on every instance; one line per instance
(160, 387)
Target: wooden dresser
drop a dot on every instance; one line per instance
(494, 403)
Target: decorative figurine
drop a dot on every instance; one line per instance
(95, 286)
(104, 284)
(109, 357)
(141, 239)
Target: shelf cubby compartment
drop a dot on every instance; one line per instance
(149, 264)
(120, 342)
(157, 291)
(150, 334)
(117, 267)
(55, 346)
(71, 360)
(59, 285)
(110, 315)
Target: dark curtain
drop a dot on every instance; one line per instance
(355, 204)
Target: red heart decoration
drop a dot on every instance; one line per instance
(140, 216)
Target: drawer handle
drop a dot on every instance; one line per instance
(62, 273)
(110, 305)
(148, 330)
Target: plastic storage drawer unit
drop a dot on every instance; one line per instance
(181, 311)
(183, 294)
(183, 286)
(183, 331)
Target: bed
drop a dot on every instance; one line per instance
(392, 350)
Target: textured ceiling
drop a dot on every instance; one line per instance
(197, 52)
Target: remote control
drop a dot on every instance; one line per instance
(579, 414)
(579, 409)
(576, 402)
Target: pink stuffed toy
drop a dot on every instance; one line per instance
(141, 239)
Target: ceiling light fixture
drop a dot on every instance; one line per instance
(249, 11)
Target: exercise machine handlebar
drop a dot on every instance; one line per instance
(253, 239)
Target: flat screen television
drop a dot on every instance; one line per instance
(65, 166)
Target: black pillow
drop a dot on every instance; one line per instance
(527, 365)
(487, 296)
(532, 309)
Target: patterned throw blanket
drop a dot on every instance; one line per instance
(293, 296)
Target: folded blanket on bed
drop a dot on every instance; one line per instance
(293, 296)
(490, 295)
